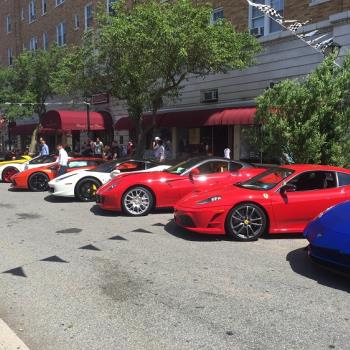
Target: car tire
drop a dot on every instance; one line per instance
(8, 172)
(85, 190)
(137, 201)
(38, 182)
(246, 222)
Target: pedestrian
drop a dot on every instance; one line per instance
(159, 152)
(227, 153)
(62, 160)
(44, 148)
(130, 148)
(98, 148)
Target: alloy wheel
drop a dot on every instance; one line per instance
(38, 182)
(137, 201)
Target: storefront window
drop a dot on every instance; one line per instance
(249, 149)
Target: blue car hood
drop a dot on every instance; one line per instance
(337, 218)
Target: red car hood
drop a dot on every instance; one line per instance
(229, 194)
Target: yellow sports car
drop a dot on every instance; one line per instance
(10, 167)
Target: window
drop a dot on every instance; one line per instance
(130, 166)
(88, 16)
(261, 24)
(77, 164)
(45, 41)
(314, 180)
(61, 34)
(8, 24)
(33, 44)
(10, 56)
(216, 15)
(43, 7)
(109, 5)
(212, 167)
(59, 2)
(344, 179)
(76, 23)
(209, 95)
(32, 14)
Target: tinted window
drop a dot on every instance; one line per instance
(43, 159)
(213, 167)
(77, 163)
(131, 166)
(344, 179)
(234, 166)
(314, 180)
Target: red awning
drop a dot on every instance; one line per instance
(76, 120)
(24, 129)
(198, 118)
(126, 123)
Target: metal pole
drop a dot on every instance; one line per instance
(88, 118)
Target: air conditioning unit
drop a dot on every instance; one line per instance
(210, 95)
(257, 32)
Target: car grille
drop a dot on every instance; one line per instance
(185, 220)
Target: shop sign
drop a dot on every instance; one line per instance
(99, 99)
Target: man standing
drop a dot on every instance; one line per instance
(227, 153)
(98, 147)
(62, 160)
(44, 149)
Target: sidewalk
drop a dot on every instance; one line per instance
(9, 340)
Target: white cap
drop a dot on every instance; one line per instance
(157, 138)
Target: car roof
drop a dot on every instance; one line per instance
(311, 167)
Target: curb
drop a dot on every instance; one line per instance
(9, 340)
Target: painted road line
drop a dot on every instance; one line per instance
(9, 340)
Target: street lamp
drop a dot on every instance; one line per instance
(87, 103)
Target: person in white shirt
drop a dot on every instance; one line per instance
(62, 160)
(227, 153)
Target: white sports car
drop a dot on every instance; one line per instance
(83, 184)
(8, 170)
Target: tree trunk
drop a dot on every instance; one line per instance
(141, 138)
(33, 142)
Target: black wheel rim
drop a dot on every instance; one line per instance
(39, 182)
(246, 222)
(87, 191)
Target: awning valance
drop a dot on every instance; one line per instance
(76, 120)
(198, 118)
(24, 129)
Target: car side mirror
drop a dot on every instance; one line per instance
(193, 173)
(288, 188)
(114, 173)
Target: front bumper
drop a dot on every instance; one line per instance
(61, 190)
(202, 220)
(108, 202)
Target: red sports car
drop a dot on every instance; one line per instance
(37, 179)
(279, 200)
(136, 194)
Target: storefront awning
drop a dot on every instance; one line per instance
(76, 120)
(24, 129)
(198, 118)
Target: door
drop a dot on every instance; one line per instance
(201, 177)
(315, 191)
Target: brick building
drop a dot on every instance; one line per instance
(227, 100)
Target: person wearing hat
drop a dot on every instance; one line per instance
(156, 146)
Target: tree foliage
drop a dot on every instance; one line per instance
(309, 118)
(143, 54)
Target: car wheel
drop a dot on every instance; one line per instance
(86, 190)
(246, 222)
(137, 201)
(38, 182)
(8, 172)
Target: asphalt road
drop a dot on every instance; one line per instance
(158, 288)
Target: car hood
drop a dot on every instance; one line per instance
(337, 218)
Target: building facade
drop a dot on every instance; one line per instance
(211, 113)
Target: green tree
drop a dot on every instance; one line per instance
(30, 82)
(309, 118)
(144, 53)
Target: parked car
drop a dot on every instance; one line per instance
(84, 184)
(137, 194)
(36, 179)
(11, 167)
(280, 200)
(329, 237)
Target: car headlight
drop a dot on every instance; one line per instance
(64, 177)
(209, 200)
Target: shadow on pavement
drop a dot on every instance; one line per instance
(301, 264)
(11, 189)
(54, 199)
(96, 210)
(179, 232)
(296, 235)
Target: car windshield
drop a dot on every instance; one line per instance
(182, 167)
(106, 167)
(267, 180)
(43, 160)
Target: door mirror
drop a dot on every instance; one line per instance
(114, 173)
(288, 188)
(193, 172)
